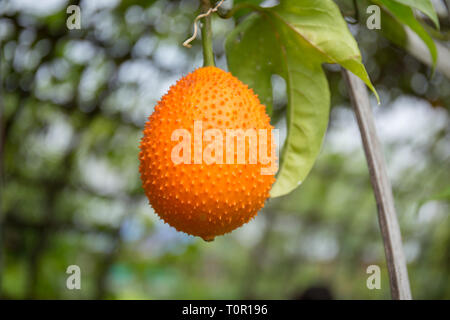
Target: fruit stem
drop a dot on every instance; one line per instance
(208, 55)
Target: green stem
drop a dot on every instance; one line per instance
(208, 55)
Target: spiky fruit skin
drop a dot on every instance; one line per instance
(203, 200)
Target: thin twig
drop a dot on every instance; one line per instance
(203, 15)
(387, 218)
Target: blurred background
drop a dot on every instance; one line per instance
(73, 104)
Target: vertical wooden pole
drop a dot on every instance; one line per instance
(387, 218)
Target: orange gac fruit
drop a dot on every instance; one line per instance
(202, 198)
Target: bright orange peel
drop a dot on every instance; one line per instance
(205, 200)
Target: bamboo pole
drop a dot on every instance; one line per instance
(387, 218)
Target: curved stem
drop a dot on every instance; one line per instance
(208, 55)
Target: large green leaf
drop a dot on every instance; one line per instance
(292, 40)
(404, 14)
(250, 61)
(425, 6)
(322, 26)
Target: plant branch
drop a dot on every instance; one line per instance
(387, 218)
(207, 9)
(208, 55)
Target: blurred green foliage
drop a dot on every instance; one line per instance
(73, 107)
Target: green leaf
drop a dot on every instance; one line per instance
(405, 15)
(425, 6)
(258, 68)
(392, 29)
(321, 25)
(292, 40)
